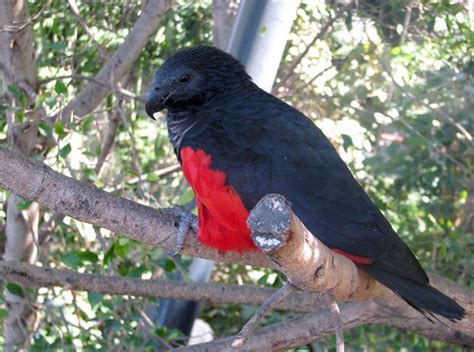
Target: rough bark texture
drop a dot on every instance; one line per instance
(295, 332)
(19, 66)
(34, 180)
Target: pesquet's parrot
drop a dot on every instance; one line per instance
(236, 143)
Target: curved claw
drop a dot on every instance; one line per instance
(187, 221)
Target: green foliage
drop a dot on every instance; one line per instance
(395, 109)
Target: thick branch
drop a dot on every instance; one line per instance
(306, 261)
(120, 62)
(36, 181)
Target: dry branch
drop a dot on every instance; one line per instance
(308, 264)
(297, 331)
(119, 63)
(36, 181)
(35, 276)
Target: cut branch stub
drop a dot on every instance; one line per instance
(308, 264)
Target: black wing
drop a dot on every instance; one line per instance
(304, 167)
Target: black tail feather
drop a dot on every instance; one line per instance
(423, 297)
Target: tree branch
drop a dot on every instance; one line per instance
(36, 181)
(119, 63)
(297, 331)
(35, 276)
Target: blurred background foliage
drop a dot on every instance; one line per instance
(396, 100)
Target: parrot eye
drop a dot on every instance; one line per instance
(185, 78)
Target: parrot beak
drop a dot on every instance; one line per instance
(155, 101)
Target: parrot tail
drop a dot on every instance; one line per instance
(421, 296)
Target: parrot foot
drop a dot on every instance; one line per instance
(187, 221)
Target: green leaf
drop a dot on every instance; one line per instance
(17, 93)
(90, 173)
(59, 129)
(94, 298)
(137, 272)
(3, 313)
(88, 256)
(109, 255)
(45, 129)
(71, 259)
(20, 115)
(64, 152)
(169, 265)
(186, 197)
(14, 90)
(156, 253)
(151, 176)
(122, 247)
(60, 88)
(123, 241)
(347, 141)
(51, 101)
(3, 108)
(24, 204)
(15, 289)
(87, 123)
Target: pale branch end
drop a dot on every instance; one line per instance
(308, 264)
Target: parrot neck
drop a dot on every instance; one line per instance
(193, 121)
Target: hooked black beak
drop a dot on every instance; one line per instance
(156, 101)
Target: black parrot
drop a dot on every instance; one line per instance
(236, 143)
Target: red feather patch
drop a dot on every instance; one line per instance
(354, 258)
(222, 214)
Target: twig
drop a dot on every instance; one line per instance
(112, 127)
(336, 315)
(19, 27)
(258, 316)
(294, 332)
(165, 171)
(85, 27)
(35, 276)
(297, 61)
(122, 91)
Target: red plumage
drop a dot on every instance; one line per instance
(222, 215)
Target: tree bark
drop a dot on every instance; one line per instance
(21, 230)
(34, 180)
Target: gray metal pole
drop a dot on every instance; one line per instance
(260, 35)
